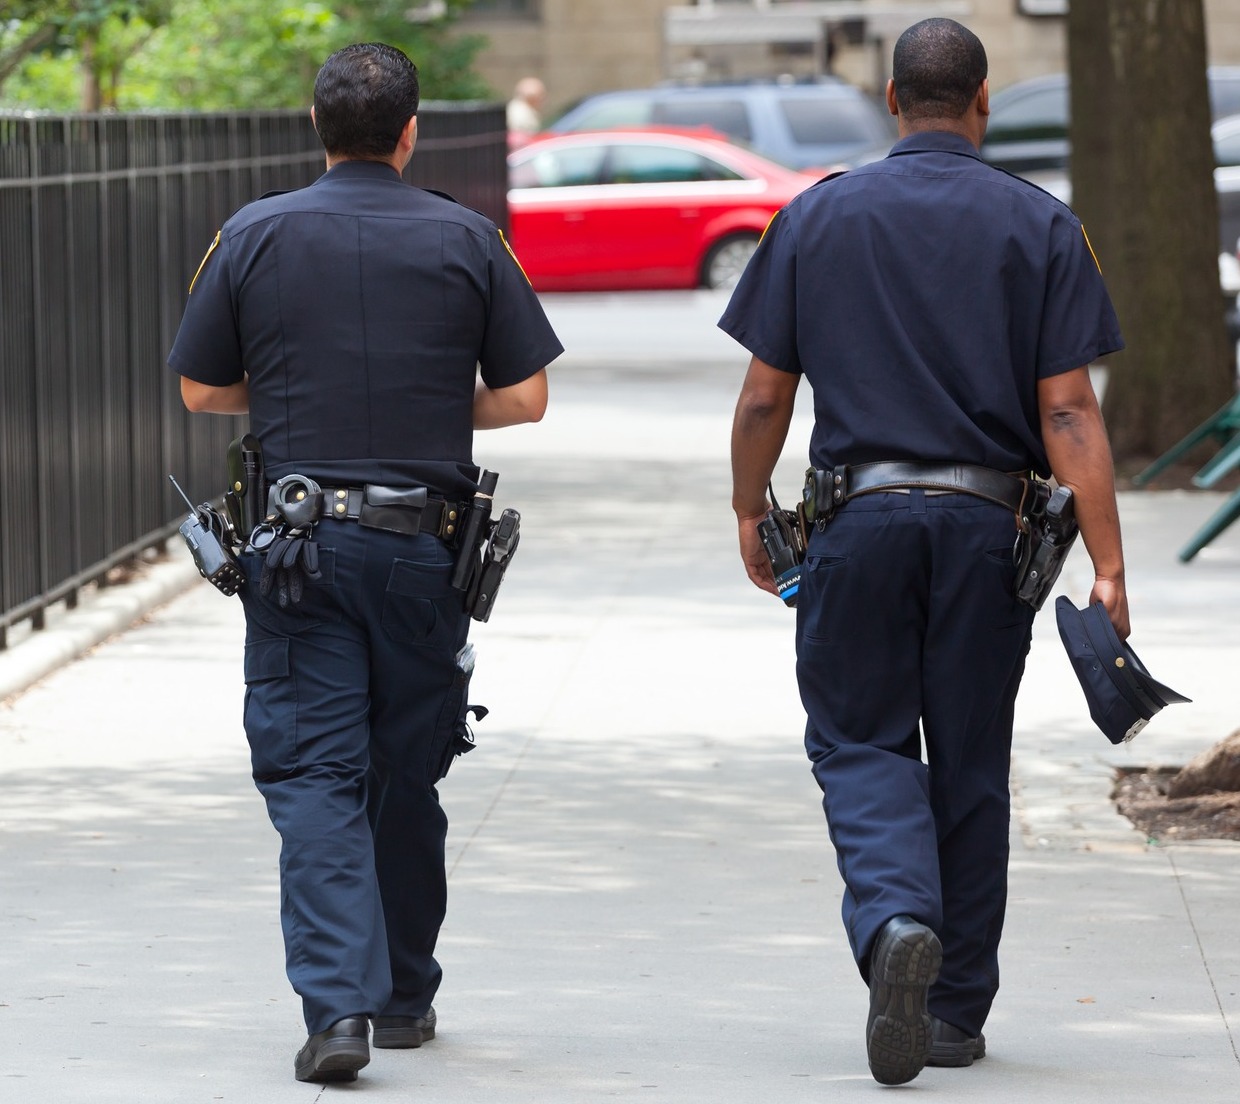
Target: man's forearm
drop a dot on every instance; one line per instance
(1080, 458)
(759, 429)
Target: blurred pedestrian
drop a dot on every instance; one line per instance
(524, 110)
(349, 319)
(945, 314)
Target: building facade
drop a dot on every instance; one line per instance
(579, 47)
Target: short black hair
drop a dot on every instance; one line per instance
(938, 66)
(363, 97)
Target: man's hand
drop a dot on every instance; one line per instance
(1114, 598)
(753, 554)
(763, 414)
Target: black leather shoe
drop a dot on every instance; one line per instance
(950, 1046)
(335, 1054)
(903, 965)
(404, 1032)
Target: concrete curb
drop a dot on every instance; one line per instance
(101, 612)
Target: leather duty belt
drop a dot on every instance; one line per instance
(836, 486)
(405, 510)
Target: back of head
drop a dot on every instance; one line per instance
(937, 66)
(363, 97)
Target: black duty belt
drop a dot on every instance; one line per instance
(834, 487)
(406, 510)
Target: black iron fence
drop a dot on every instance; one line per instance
(103, 220)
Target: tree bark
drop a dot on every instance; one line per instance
(1142, 175)
(1215, 770)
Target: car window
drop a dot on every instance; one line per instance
(815, 122)
(730, 117)
(1040, 114)
(614, 113)
(561, 168)
(1224, 97)
(1227, 147)
(631, 164)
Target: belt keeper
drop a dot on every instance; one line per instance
(449, 521)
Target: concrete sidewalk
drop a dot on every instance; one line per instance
(643, 900)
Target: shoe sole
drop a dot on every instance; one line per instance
(900, 1040)
(401, 1038)
(335, 1060)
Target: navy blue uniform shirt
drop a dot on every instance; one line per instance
(924, 296)
(361, 309)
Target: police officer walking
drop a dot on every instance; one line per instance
(945, 314)
(349, 320)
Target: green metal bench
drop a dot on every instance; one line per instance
(1223, 517)
(1224, 427)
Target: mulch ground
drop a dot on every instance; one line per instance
(1141, 796)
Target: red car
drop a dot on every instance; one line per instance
(652, 208)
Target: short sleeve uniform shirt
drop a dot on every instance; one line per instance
(361, 309)
(924, 296)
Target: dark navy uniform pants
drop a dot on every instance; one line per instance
(908, 631)
(352, 700)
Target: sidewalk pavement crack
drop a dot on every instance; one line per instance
(1179, 883)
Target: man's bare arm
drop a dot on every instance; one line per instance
(504, 406)
(202, 398)
(1080, 458)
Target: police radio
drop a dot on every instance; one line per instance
(784, 540)
(208, 535)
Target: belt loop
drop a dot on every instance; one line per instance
(917, 500)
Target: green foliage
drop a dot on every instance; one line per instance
(212, 55)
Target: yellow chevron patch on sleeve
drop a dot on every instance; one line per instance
(203, 264)
(512, 254)
(770, 224)
(1091, 250)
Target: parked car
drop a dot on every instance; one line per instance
(641, 208)
(1226, 135)
(1028, 125)
(826, 123)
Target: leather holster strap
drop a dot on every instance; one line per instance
(850, 481)
(438, 516)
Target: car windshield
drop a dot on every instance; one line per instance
(627, 111)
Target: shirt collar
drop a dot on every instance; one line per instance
(930, 141)
(376, 170)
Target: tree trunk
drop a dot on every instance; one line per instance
(1143, 184)
(92, 90)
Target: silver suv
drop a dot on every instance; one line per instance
(824, 124)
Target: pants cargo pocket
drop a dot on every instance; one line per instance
(270, 708)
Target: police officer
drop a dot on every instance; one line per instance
(944, 313)
(349, 320)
